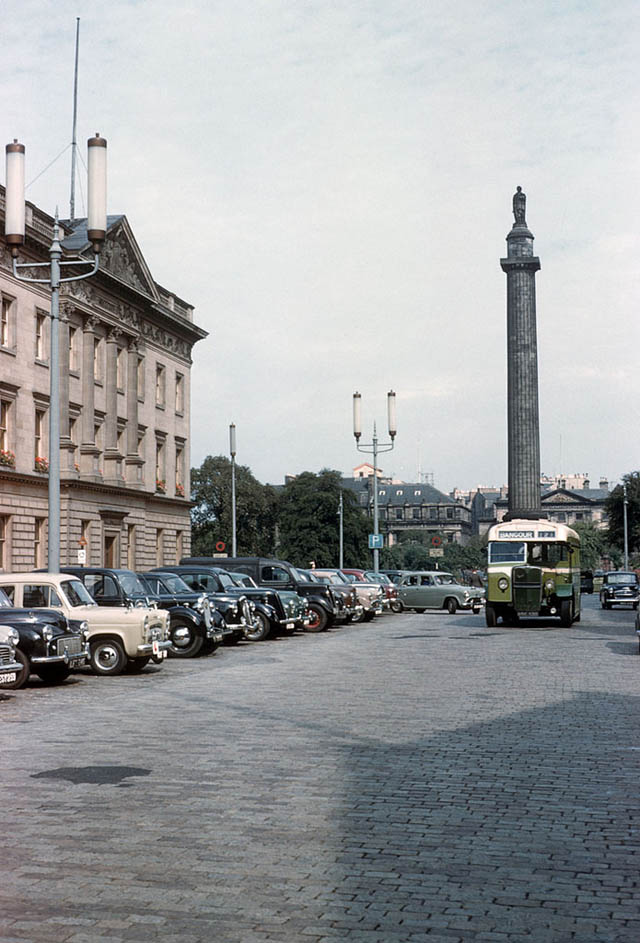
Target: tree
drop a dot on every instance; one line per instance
(309, 526)
(412, 552)
(211, 521)
(614, 507)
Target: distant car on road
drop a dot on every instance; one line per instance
(619, 588)
(434, 589)
(586, 581)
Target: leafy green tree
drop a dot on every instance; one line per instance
(594, 544)
(211, 520)
(308, 522)
(614, 507)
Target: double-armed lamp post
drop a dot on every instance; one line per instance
(374, 448)
(15, 237)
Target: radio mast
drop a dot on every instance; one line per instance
(74, 143)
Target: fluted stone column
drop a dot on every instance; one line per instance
(111, 455)
(88, 450)
(66, 445)
(523, 423)
(133, 461)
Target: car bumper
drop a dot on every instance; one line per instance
(74, 660)
(153, 648)
(9, 673)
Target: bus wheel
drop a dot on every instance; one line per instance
(566, 612)
(490, 615)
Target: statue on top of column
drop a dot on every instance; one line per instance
(519, 206)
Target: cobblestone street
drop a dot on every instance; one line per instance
(418, 778)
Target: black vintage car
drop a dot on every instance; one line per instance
(188, 610)
(46, 645)
(192, 628)
(238, 612)
(9, 665)
(282, 610)
(323, 606)
(619, 588)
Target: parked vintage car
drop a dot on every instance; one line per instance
(46, 643)
(434, 589)
(119, 638)
(324, 608)
(191, 626)
(368, 595)
(235, 608)
(10, 667)
(389, 591)
(195, 627)
(619, 588)
(276, 610)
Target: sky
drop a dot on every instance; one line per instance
(330, 185)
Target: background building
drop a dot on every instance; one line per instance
(125, 360)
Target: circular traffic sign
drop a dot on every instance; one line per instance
(220, 546)
(436, 541)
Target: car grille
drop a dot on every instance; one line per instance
(245, 611)
(6, 655)
(73, 645)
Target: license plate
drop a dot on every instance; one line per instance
(8, 677)
(76, 662)
(291, 625)
(155, 647)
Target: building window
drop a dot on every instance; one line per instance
(85, 538)
(98, 372)
(399, 514)
(38, 533)
(416, 514)
(73, 437)
(433, 513)
(4, 530)
(179, 393)
(5, 431)
(160, 385)
(39, 444)
(140, 376)
(159, 547)
(131, 546)
(161, 477)
(7, 322)
(74, 366)
(42, 353)
(180, 470)
(120, 369)
(449, 514)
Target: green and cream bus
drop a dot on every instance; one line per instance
(533, 569)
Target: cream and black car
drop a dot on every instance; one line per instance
(119, 638)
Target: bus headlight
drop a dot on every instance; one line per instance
(503, 583)
(549, 585)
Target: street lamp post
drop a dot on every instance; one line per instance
(232, 450)
(625, 505)
(341, 528)
(374, 448)
(15, 234)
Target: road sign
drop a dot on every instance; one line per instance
(82, 556)
(376, 541)
(220, 546)
(436, 553)
(436, 541)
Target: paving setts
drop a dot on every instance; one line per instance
(418, 778)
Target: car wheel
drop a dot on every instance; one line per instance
(396, 606)
(53, 674)
(317, 619)
(490, 616)
(476, 610)
(369, 616)
(566, 612)
(259, 630)
(185, 641)
(451, 605)
(135, 665)
(419, 611)
(606, 605)
(635, 605)
(22, 675)
(107, 657)
(208, 647)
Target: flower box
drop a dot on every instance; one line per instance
(7, 458)
(41, 464)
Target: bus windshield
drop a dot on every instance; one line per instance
(507, 551)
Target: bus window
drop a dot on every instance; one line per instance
(547, 554)
(506, 551)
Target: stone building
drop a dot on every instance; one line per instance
(125, 357)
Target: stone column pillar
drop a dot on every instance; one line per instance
(88, 450)
(112, 456)
(66, 445)
(133, 461)
(523, 421)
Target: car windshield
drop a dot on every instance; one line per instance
(5, 602)
(377, 577)
(226, 581)
(622, 578)
(309, 577)
(77, 593)
(132, 585)
(174, 584)
(297, 575)
(336, 577)
(507, 551)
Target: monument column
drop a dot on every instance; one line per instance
(523, 422)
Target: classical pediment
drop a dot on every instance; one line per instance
(560, 496)
(121, 257)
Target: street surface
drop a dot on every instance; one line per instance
(418, 778)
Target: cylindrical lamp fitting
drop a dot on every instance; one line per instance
(14, 199)
(391, 410)
(97, 190)
(232, 439)
(357, 415)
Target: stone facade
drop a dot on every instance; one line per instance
(125, 358)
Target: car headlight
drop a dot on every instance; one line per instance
(14, 636)
(503, 583)
(140, 604)
(147, 619)
(84, 628)
(549, 585)
(47, 633)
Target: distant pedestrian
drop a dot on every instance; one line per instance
(476, 579)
